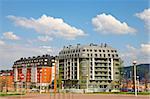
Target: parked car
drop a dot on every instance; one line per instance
(124, 90)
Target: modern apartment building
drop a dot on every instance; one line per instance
(36, 71)
(89, 66)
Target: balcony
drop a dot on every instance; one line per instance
(101, 61)
(100, 74)
(101, 65)
(101, 69)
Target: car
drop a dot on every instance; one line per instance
(124, 90)
(130, 90)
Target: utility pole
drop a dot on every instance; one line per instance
(134, 64)
(138, 78)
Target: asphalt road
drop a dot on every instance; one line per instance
(76, 96)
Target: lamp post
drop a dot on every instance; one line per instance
(134, 64)
(138, 78)
(40, 79)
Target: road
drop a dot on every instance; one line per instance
(76, 96)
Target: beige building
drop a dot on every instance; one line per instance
(90, 66)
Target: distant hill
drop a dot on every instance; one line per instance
(143, 71)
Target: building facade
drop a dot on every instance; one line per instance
(36, 71)
(6, 80)
(89, 66)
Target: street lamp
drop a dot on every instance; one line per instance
(138, 78)
(134, 64)
(40, 79)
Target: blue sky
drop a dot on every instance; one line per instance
(123, 24)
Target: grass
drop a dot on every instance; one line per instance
(10, 94)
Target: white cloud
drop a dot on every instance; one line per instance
(48, 48)
(145, 49)
(44, 38)
(49, 26)
(141, 54)
(108, 24)
(145, 16)
(11, 53)
(2, 42)
(10, 36)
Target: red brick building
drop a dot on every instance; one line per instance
(6, 80)
(34, 72)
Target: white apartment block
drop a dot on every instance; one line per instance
(97, 65)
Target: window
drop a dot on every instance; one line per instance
(87, 50)
(113, 56)
(45, 63)
(83, 50)
(103, 50)
(90, 50)
(88, 55)
(95, 50)
(107, 50)
(104, 55)
(95, 55)
(100, 55)
(73, 51)
(76, 50)
(105, 86)
(99, 50)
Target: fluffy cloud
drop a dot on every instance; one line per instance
(145, 49)
(2, 42)
(10, 36)
(18, 51)
(48, 25)
(145, 16)
(141, 55)
(44, 38)
(106, 24)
